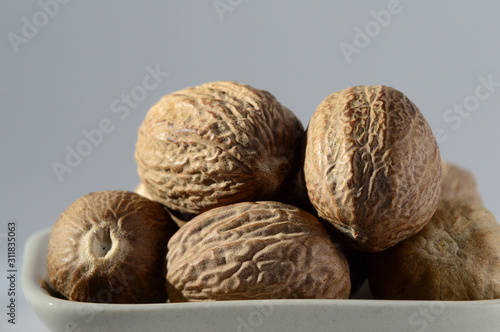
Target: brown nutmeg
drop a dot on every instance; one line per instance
(459, 183)
(372, 166)
(456, 257)
(217, 144)
(108, 246)
(255, 250)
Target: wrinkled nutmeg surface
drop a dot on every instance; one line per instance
(372, 166)
(459, 183)
(216, 144)
(456, 256)
(109, 246)
(255, 250)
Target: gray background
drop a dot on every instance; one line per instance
(66, 76)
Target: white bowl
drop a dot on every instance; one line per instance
(251, 315)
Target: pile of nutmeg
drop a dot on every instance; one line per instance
(237, 201)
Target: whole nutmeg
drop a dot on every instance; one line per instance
(109, 246)
(459, 183)
(372, 166)
(216, 144)
(255, 250)
(456, 257)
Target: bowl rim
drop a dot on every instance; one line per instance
(47, 307)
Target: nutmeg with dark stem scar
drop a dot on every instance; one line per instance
(108, 246)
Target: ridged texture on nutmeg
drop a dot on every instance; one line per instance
(255, 250)
(372, 166)
(109, 246)
(216, 144)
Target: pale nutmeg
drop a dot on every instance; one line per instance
(456, 257)
(140, 189)
(216, 144)
(179, 219)
(372, 166)
(459, 183)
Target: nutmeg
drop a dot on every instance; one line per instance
(255, 250)
(372, 166)
(456, 257)
(458, 182)
(108, 246)
(216, 144)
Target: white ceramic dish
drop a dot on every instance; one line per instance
(248, 316)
